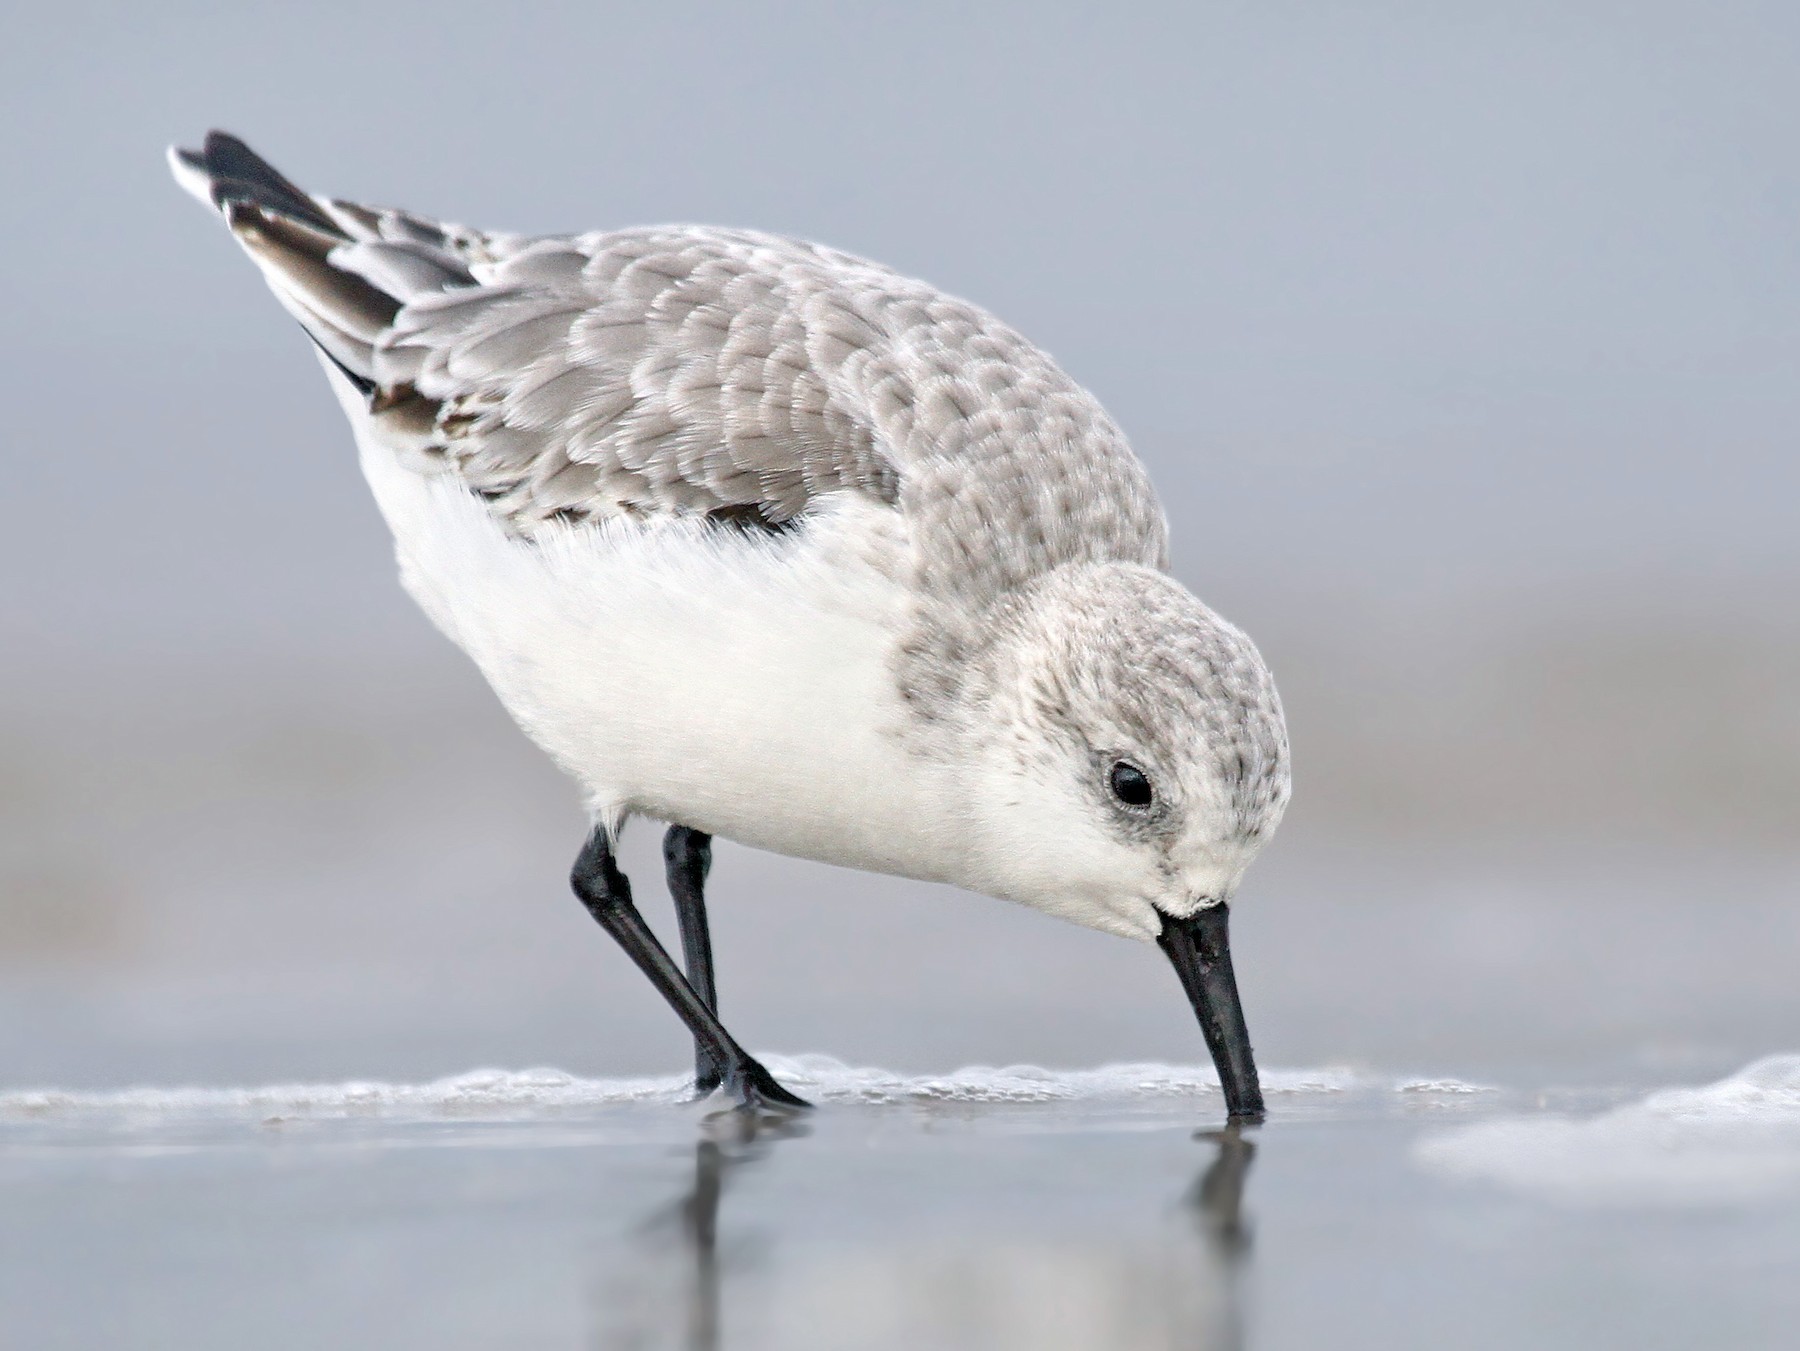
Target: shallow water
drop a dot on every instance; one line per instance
(987, 1208)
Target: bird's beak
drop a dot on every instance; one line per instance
(1200, 950)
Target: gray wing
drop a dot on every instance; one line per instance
(692, 370)
(636, 373)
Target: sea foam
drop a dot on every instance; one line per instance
(1733, 1142)
(494, 1092)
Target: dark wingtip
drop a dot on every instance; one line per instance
(240, 175)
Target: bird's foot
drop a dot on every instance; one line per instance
(756, 1090)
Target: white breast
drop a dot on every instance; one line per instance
(731, 681)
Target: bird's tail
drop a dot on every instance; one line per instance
(342, 270)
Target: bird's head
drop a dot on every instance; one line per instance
(1131, 761)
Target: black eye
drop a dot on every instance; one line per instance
(1130, 784)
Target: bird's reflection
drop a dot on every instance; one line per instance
(699, 1220)
(1216, 1204)
(729, 1141)
(1184, 1292)
(683, 1240)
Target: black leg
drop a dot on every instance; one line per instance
(603, 889)
(687, 857)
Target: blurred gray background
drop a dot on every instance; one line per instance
(1459, 339)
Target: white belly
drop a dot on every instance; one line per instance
(733, 682)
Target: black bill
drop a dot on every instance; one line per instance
(1200, 949)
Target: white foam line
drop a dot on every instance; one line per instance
(831, 1080)
(497, 1092)
(486, 1090)
(1448, 1087)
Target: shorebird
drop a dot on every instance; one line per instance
(769, 542)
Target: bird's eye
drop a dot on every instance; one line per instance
(1130, 784)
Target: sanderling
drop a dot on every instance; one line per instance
(767, 541)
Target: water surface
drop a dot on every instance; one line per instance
(1016, 1208)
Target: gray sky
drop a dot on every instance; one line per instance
(1393, 300)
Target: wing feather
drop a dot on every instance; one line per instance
(690, 370)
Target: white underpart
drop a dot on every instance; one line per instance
(739, 684)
